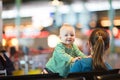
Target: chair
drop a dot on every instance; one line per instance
(36, 77)
(90, 75)
(108, 77)
(74, 78)
(52, 76)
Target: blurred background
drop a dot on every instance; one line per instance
(30, 29)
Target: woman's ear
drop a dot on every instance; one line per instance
(89, 45)
(107, 46)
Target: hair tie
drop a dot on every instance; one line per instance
(100, 37)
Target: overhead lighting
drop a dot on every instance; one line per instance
(117, 22)
(44, 20)
(77, 7)
(91, 6)
(107, 23)
(56, 2)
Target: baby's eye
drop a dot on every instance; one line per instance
(66, 35)
(72, 35)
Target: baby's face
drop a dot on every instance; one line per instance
(67, 35)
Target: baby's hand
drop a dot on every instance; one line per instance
(79, 57)
(76, 58)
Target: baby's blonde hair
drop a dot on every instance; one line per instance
(65, 26)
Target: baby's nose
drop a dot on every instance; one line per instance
(69, 35)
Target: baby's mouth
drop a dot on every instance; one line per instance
(69, 40)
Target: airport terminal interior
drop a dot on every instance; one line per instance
(30, 29)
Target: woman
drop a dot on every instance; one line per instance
(98, 42)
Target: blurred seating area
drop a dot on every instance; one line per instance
(103, 75)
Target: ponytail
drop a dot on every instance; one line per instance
(99, 41)
(99, 50)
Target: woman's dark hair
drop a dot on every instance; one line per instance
(99, 41)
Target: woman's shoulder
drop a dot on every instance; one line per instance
(84, 61)
(82, 65)
(108, 65)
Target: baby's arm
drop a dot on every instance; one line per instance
(78, 52)
(74, 59)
